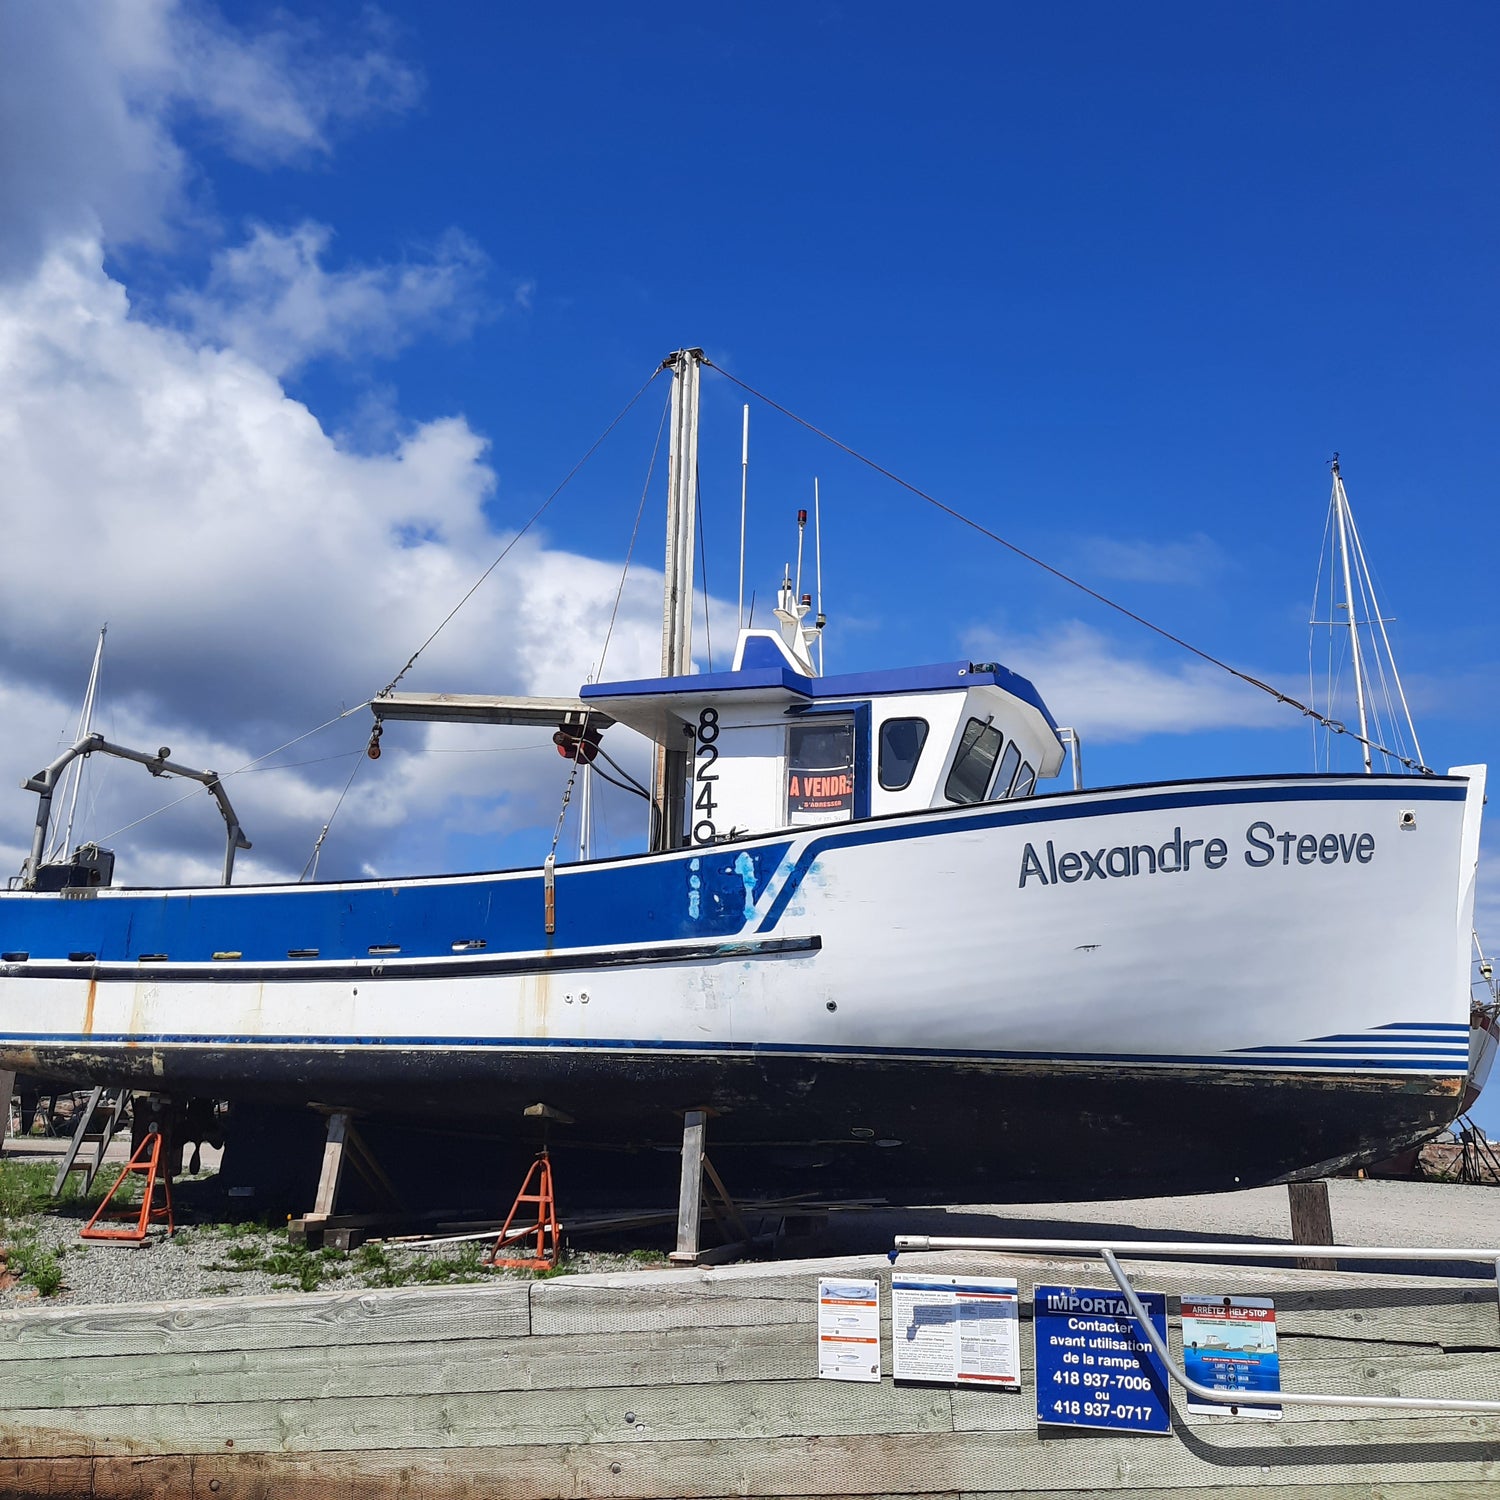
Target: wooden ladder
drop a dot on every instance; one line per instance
(97, 1124)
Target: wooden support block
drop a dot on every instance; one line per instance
(1312, 1221)
(690, 1191)
(334, 1151)
(7, 1088)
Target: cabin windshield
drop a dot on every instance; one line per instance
(978, 751)
(1007, 777)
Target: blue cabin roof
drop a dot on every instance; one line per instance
(764, 667)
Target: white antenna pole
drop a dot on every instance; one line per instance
(1341, 501)
(85, 725)
(744, 491)
(818, 619)
(801, 530)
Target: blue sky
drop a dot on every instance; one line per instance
(303, 309)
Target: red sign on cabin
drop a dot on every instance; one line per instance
(820, 772)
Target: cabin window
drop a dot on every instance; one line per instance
(1025, 782)
(1007, 774)
(820, 771)
(978, 750)
(901, 742)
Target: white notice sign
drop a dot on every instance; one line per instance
(848, 1329)
(956, 1330)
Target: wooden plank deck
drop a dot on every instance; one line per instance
(654, 1385)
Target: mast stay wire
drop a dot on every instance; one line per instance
(312, 860)
(250, 765)
(609, 630)
(1325, 552)
(1380, 621)
(535, 516)
(708, 639)
(411, 661)
(1332, 725)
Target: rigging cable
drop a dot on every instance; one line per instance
(1333, 725)
(535, 516)
(442, 624)
(250, 765)
(311, 867)
(708, 639)
(609, 630)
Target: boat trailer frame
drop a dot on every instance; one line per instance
(1110, 1250)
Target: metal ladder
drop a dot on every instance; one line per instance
(97, 1123)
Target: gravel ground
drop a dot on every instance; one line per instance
(226, 1260)
(47, 1264)
(229, 1260)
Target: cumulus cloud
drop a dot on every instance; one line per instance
(256, 575)
(273, 300)
(1107, 694)
(92, 93)
(257, 572)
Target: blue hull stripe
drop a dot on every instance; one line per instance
(1021, 814)
(1383, 1063)
(624, 903)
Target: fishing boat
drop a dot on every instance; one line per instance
(872, 939)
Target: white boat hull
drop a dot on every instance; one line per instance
(1030, 997)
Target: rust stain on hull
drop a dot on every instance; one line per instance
(88, 1008)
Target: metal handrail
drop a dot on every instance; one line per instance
(1109, 1251)
(44, 784)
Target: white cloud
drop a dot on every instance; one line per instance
(256, 575)
(90, 92)
(272, 299)
(278, 94)
(1192, 561)
(1110, 695)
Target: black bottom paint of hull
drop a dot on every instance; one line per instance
(907, 1131)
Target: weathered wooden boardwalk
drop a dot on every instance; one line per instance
(700, 1383)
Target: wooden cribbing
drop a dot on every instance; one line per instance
(654, 1385)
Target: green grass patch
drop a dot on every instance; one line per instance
(379, 1268)
(26, 1188)
(36, 1267)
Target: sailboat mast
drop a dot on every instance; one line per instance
(1340, 506)
(85, 726)
(670, 777)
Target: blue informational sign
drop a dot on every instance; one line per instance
(1229, 1345)
(1094, 1367)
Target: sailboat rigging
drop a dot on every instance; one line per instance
(1354, 618)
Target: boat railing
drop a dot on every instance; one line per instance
(1109, 1251)
(45, 783)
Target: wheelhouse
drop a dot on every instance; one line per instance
(775, 746)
